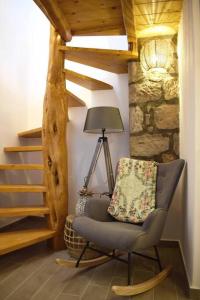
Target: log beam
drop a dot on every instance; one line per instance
(54, 140)
(129, 23)
(55, 15)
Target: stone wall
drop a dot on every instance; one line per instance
(154, 109)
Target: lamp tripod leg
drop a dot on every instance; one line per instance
(109, 169)
(102, 141)
(94, 161)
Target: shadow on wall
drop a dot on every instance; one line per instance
(175, 222)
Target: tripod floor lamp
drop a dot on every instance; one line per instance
(103, 119)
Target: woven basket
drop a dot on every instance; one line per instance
(76, 243)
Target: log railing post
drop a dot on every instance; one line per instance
(55, 116)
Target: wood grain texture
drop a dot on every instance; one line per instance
(32, 133)
(84, 263)
(131, 290)
(55, 15)
(115, 61)
(10, 241)
(129, 23)
(22, 188)
(149, 14)
(157, 7)
(23, 211)
(93, 17)
(21, 167)
(115, 17)
(54, 140)
(86, 82)
(74, 101)
(23, 149)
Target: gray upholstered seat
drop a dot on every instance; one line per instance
(99, 227)
(110, 235)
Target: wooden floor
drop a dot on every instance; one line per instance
(31, 273)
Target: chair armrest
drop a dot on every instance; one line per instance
(96, 208)
(152, 230)
(155, 220)
(154, 224)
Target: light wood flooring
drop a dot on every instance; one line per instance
(31, 273)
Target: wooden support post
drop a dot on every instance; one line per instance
(129, 24)
(54, 140)
(56, 17)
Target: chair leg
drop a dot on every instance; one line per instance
(158, 258)
(81, 255)
(129, 268)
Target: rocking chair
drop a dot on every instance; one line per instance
(98, 227)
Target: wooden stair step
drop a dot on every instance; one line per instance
(74, 101)
(32, 133)
(85, 18)
(23, 149)
(87, 82)
(24, 211)
(21, 167)
(10, 241)
(115, 61)
(22, 188)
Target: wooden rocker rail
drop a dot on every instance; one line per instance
(131, 290)
(69, 263)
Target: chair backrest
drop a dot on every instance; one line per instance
(167, 180)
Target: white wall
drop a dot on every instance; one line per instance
(81, 145)
(190, 137)
(24, 34)
(24, 58)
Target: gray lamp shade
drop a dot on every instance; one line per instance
(103, 117)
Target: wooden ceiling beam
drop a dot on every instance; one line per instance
(158, 13)
(129, 23)
(56, 17)
(141, 2)
(152, 14)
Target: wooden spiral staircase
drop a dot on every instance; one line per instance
(69, 18)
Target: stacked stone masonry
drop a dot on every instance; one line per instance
(154, 111)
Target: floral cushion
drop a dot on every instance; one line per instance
(133, 198)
